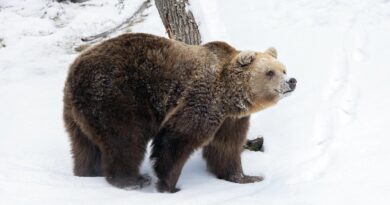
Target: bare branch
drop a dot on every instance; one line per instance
(137, 17)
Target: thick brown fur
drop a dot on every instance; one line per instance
(128, 90)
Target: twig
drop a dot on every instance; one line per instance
(135, 18)
(2, 44)
(255, 144)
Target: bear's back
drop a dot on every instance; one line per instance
(143, 56)
(136, 68)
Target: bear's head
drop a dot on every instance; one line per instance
(266, 77)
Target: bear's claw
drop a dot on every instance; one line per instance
(130, 183)
(245, 179)
(163, 187)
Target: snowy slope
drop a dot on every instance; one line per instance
(325, 144)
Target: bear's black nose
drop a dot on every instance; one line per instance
(292, 83)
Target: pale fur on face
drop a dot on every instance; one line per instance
(266, 88)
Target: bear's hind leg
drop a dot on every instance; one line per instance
(122, 157)
(223, 154)
(86, 155)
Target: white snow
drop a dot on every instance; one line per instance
(327, 143)
(209, 19)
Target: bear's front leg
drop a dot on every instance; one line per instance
(184, 132)
(223, 154)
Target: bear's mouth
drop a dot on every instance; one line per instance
(288, 91)
(284, 93)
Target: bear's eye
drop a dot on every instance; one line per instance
(270, 73)
(284, 72)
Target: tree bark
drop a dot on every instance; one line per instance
(178, 21)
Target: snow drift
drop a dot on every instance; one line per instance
(326, 144)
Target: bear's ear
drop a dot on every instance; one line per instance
(272, 52)
(245, 57)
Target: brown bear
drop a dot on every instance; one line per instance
(139, 87)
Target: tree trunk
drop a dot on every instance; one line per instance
(178, 21)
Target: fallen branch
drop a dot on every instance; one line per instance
(73, 1)
(255, 144)
(2, 44)
(137, 17)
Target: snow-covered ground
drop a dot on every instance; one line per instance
(328, 143)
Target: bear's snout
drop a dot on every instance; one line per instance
(292, 83)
